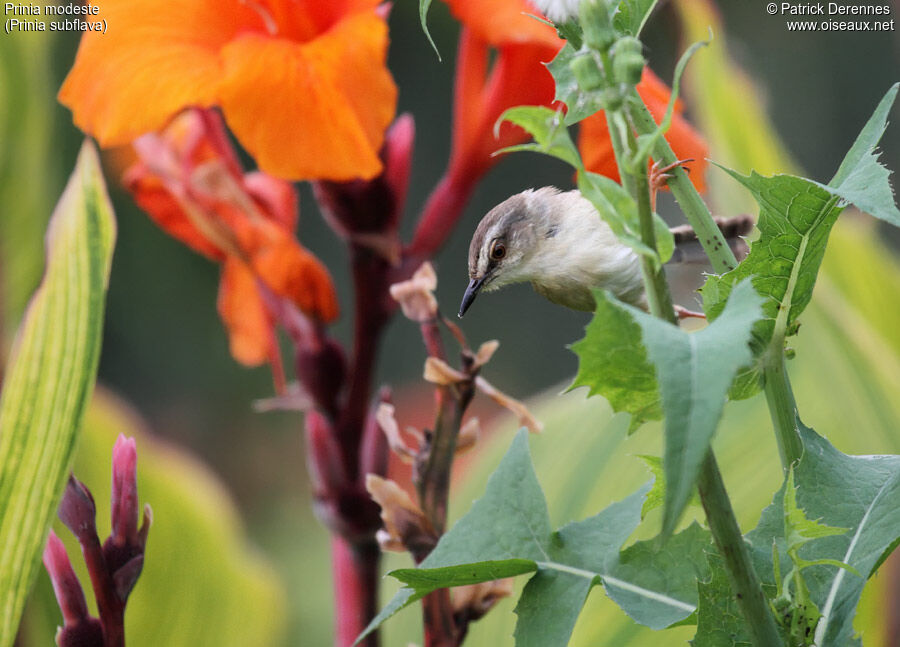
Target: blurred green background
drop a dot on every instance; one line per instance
(165, 351)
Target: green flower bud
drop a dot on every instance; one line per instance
(598, 31)
(587, 73)
(628, 61)
(610, 99)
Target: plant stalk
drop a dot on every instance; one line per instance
(695, 210)
(782, 406)
(779, 394)
(355, 573)
(727, 535)
(719, 513)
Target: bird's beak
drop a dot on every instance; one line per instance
(469, 296)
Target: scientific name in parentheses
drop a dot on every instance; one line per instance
(23, 24)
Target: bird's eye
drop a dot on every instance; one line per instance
(498, 251)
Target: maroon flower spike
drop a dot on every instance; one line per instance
(80, 628)
(124, 550)
(367, 212)
(113, 567)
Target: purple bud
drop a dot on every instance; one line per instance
(397, 155)
(321, 369)
(78, 512)
(80, 629)
(124, 504)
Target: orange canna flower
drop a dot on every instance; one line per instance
(302, 83)
(596, 148)
(190, 182)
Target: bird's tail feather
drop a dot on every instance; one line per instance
(689, 250)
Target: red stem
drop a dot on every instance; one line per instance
(372, 311)
(111, 608)
(355, 573)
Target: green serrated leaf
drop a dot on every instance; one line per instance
(630, 16)
(798, 528)
(548, 129)
(657, 493)
(795, 219)
(856, 492)
(49, 379)
(424, 6)
(694, 371)
(579, 104)
(719, 619)
(660, 566)
(507, 532)
(861, 180)
(613, 362)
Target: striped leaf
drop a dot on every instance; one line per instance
(49, 378)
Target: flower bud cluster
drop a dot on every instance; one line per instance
(114, 566)
(607, 64)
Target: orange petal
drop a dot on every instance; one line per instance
(303, 20)
(285, 267)
(503, 22)
(314, 110)
(153, 61)
(251, 335)
(596, 148)
(155, 199)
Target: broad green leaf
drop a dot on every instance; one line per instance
(663, 567)
(424, 6)
(657, 494)
(49, 379)
(202, 583)
(694, 371)
(798, 528)
(795, 219)
(508, 532)
(855, 492)
(613, 362)
(861, 180)
(630, 16)
(548, 129)
(719, 619)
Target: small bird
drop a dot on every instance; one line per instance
(558, 242)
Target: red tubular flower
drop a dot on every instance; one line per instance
(597, 151)
(481, 94)
(189, 181)
(302, 83)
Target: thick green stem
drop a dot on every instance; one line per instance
(719, 513)
(782, 407)
(727, 535)
(779, 395)
(695, 210)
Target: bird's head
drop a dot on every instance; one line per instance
(504, 242)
